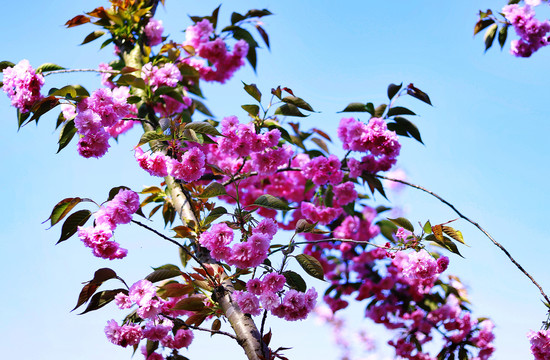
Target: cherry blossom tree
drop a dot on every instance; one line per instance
(245, 199)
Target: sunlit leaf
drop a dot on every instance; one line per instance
(70, 226)
(311, 265)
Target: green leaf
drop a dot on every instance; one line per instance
(203, 127)
(289, 110)
(379, 110)
(304, 226)
(427, 227)
(445, 242)
(162, 274)
(393, 90)
(70, 226)
(455, 234)
(133, 99)
(404, 223)
(131, 80)
(252, 110)
(321, 144)
(48, 67)
(490, 36)
(213, 190)
(374, 184)
(263, 34)
(168, 91)
(21, 117)
(66, 135)
(214, 214)
(258, 13)
(101, 299)
(387, 229)
(5, 65)
(151, 136)
(61, 209)
(295, 281)
(202, 108)
(399, 110)
(271, 202)
(404, 127)
(68, 91)
(100, 276)
(236, 17)
(418, 94)
(482, 24)
(92, 36)
(298, 102)
(502, 35)
(190, 304)
(355, 107)
(311, 265)
(43, 106)
(253, 91)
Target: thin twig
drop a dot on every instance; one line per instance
(329, 240)
(200, 328)
(140, 120)
(254, 173)
(80, 70)
(473, 223)
(180, 246)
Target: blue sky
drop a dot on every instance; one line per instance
(485, 151)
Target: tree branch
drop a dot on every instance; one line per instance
(473, 223)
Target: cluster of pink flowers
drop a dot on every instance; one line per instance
(357, 228)
(420, 268)
(117, 211)
(540, 344)
(249, 253)
(169, 106)
(97, 116)
(240, 141)
(153, 32)
(189, 167)
(375, 139)
(22, 84)
(321, 214)
(293, 306)
(167, 75)
(323, 170)
(150, 306)
(396, 286)
(222, 63)
(532, 32)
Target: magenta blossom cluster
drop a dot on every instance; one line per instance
(540, 344)
(374, 139)
(420, 268)
(249, 253)
(153, 32)
(532, 32)
(395, 290)
(167, 75)
(22, 84)
(189, 167)
(95, 115)
(150, 306)
(242, 140)
(221, 62)
(267, 292)
(117, 211)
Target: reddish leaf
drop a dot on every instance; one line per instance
(77, 20)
